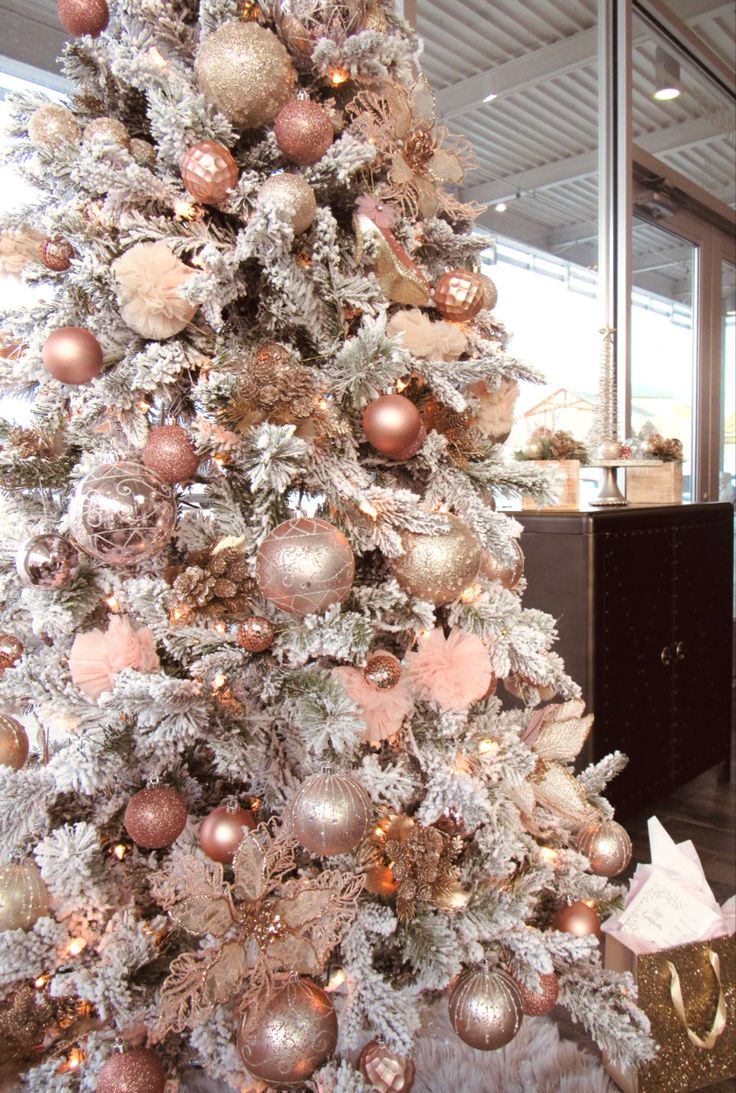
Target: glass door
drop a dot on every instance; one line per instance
(727, 463)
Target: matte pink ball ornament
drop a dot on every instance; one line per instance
(303, 131)
(222, 831)
(72, 355)
(392, 424)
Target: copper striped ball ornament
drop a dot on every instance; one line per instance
(209, 172)
(331, 814)
(485, 1009)
(13, 742)
(606, 845)
(24, 897)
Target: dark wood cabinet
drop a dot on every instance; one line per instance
(643, 597)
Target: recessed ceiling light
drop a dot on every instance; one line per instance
(501, 207)
(664, 94)
(490, 97)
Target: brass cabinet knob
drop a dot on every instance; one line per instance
(667, 656)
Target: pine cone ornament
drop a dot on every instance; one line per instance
(422, 865)
(217, 584)
(195, 586)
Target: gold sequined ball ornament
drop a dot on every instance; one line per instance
(485, 1009)
(303, 131)
(209, 172)
(56, 254)
(293, 1036)
(304, 565)
(13, 742)
(606, 845)
(244, 71)
(111, 129)
(11, 650)
(23, 896)
(295, 193)
(537, 1003)
(50, 125)
(256, 634)
(386, 1071)
(330, 814)
(136, 1070)
(438, 568)
(459, 295)
(382, 672)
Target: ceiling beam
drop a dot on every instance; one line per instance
(31, 42)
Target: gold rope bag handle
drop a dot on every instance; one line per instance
(719, 1020)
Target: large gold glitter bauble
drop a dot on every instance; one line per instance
(13, 742)
(458, 295)
(577, 919)
(386, 1071)
(209, 172)
(295, 1034)
(51, 125)
(490, 292)
(438, 568)
(110, 128)
(304, 566)
(155, 817)
(537, 1003)
(137, 1070)
(485, 1009)
(293, 191)
(331, 814)
(23, 896)
(606, 845)
(506, 573)
(11, 650)
(244, 71)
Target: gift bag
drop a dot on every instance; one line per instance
(689, 995)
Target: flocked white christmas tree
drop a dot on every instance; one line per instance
(304, 770)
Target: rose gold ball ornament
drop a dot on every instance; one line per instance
(11, 650)
(209, 172)
(606, 845)
(23, 896)
(577, 919)
(136, 1070)
(295, 1035)
(155, 817)
(111, 129)
(537, 1003)
(294, 192)
(222, 831)
(80, 17)
(391, 424)
(330, 814)
(304, 566)
(490, 292)
(438, 568)
(47, 561)
(143, 153)
(170, 453)
(122, 513)
(51, 125)
(507, 573)
(256, 634)
(382, 672)
(303, 131)
(458, 295)
(244, 71)
(485, 1009)
(13, 742)
(72, 355)
(386, 1071)
(56, 254)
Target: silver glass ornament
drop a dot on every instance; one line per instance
(47, 561)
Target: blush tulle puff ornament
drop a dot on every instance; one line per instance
(383, 711)
(97, 657)
(455, 671)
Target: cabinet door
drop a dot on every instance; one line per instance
(633, 625)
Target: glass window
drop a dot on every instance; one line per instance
(727, 475)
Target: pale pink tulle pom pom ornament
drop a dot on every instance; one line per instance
(382, 711)
(454, 672)
(97, 656)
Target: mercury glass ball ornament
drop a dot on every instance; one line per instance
(303, 131)
(209, 172)
(80, 17)
(331, 814)
(293, 191)
(609, 449)
(155, 817)
(294, 1035)
(386, 1071)
(577, 919)
(169, 452)
(507, 573)
(222, 831)
(256, 634)
(110, 128)
(244, 71)
(537, 1003)
(24, 897)
(56, 254)
(49, 125)
(391, 424)
(47, 561)
(136, 1070)
(304, 566)
(72, 355)
(13, 742)
(606, 845)
(485, 1009)
(438, 568)
(122, 513)
(459, 295)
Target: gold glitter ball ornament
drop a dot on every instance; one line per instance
(458, 295)
(111, 129)
(143, 153)
(294, 1035)
(438, 568)
(490, 292)
(577, 919)
(485, 1009)
(47, 561)
(506, 573)
(52, 125)
(386, 1071)
(56, 254)
(23, 896)
(304, 566)
(256, 634)
(170, 453)
(382, 672)
(80, 17)
(375, 19)
(292, 191)
(155, 817)
(11, 650)
(537, 1003)
(303, 131)
(137, 1070)
(244, 71)
(606, 845)
(13, 742)
(209, 172)
(330, 814)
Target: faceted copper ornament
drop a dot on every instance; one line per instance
(303, 131)
(155, 817)
(56, 254)
(209, 172)
(606, 845)
(485, 1009)
(256, 634)
(136, 1070)
(11, 650)
(13, 742)
(537, 1003)
(577, 919)
(383, 671)
(458, 295)
(386, 1071)
(80, 17)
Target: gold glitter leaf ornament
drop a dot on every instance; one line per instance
(244, 71)
(556, 734)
